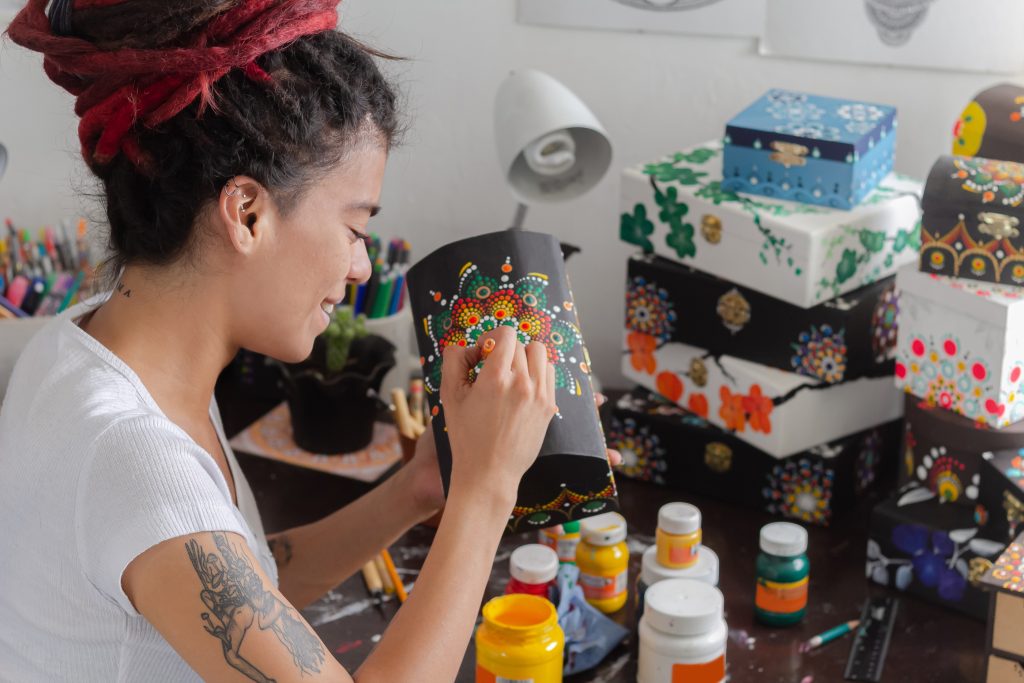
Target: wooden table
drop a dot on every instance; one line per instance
(930, 644)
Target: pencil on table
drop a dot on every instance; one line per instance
(389, 586)
(406, 425)
(393, 573)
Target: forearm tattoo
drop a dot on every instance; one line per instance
(237, 598)
(281, 549)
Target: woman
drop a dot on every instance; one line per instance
(241, 146)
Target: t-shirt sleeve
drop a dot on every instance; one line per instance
(144, 482)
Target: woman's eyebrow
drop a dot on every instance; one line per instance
(373, 208)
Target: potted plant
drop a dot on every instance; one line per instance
(333, 394)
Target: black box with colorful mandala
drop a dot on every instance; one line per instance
(667, 445)
(925, 547)
(850, 336)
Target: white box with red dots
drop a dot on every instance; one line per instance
(961, 346)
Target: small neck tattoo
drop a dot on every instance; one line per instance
(123, 289)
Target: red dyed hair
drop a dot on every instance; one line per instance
(116, 90)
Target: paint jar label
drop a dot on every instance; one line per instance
(708, 672)
(683, 555)
(596, 587)
(485, 676)
(567, 549)
(781, 598)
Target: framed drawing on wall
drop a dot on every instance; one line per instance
(980, 35)
(742, 18)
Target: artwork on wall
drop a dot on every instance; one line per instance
(920, 33)
(693, 17)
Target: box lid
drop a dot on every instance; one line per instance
(841, 130)
(1000, 305)
(987, 192)
(1007, 572)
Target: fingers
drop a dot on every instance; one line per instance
(600, 399)
(537, 359)
(614, 457)
(455, 365)
(519, 363)
(501, 358)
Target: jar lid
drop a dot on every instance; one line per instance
(572, 527)
(705, 569)
(606, 529)
(533, 564)
(784, 539)
(683, 607)
(679, 518)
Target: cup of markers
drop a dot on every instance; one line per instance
(45, 274)
(383, 294)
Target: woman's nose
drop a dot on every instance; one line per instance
(360, 269)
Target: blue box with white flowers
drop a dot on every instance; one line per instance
(806, 148)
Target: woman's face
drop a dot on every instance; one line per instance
(303, 262)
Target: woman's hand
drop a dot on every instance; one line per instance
(496, 425)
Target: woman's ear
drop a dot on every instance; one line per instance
(240, 205)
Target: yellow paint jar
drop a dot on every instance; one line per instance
(678, 536)
(603, 559)
(519, 640)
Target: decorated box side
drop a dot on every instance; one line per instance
(971, 224)
(776, 411)
(991, 125)
(517, 279)
(1005, 579)
(842, 339)
(919, 545)
(811, 149)
(943, 452)
(666, 445)
(958, 361)
(1001, 498)
(799, 253)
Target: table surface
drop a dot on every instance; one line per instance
(929, 643)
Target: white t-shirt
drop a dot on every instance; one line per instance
(92, 473)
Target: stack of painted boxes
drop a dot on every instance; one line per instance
(960, 362)
(760, 315)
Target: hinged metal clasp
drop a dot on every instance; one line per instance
(789, 153)
(998, 225)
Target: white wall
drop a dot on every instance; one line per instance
(653, 93)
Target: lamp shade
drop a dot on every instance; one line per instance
(550, 145)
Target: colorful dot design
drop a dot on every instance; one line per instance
(483, 303)
(642, 454)
(867, 461)
(945, 475)
(945, 374)
(649, 310)
(800, 489)
(1001, 182)
(883, 325)
(820, 353)
(1015, 471)
(1008, 570)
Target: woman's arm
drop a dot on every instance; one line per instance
(210, 599)
(314, 558)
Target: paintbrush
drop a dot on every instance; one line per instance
(374, 585)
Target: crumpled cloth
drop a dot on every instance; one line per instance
(589, 634)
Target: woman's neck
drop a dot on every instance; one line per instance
(172, 330)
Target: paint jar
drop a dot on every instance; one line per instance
(705, 570)
(678, 536)
(563, 542)
(533, 568)
(519, 640)
(782, 575)
(603, 559)
(682, 634)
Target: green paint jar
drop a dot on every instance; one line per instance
(783, 572)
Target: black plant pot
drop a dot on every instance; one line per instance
(335, 413)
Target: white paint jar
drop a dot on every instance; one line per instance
(682, 633)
